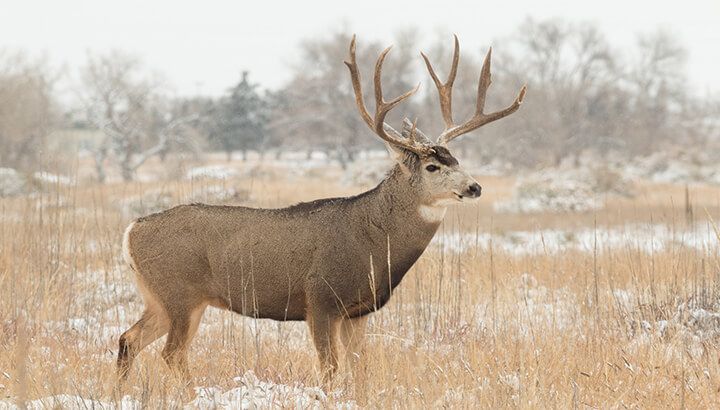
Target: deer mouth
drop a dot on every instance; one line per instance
(464, 197)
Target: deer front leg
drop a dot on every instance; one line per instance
(352, 334)
(323, 328)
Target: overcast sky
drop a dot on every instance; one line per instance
(203, 46)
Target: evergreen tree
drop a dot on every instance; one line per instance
(240, 119)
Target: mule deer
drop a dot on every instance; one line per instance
(330, 262)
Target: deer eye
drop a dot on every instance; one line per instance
(432, 168)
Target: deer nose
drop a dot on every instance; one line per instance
(474, 190)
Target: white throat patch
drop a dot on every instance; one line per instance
(432, 214)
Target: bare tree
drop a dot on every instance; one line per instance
(193, 135)
(658, 86)
(573, 70)
(319, 111)
(601, 101)
(27, 110)
(129, 107)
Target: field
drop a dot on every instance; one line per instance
(610, 308)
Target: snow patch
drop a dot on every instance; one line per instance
(216, 194)
(252, 393)
(645, 238)
(147, 203)
(564, 189)
(211, 172)
(66, 401)
(52, 179)
(11, 182)
(673, 167)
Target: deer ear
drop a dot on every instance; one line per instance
(398, 154)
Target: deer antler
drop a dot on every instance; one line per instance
(382, 107)
(479, 118)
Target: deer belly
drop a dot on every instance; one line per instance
(280, 311)
(368, 304)
(277, 303)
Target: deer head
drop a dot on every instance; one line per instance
(433, 171)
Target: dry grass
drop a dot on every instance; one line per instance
(609, 326)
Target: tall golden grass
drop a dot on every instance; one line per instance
(478, 327)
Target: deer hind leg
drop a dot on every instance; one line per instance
(352, 334)
(183, 326)
(152, 325)
(323, 329)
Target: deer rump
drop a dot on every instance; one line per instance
(266, 263)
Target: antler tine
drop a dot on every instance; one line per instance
(413, 131)
(479, 118)
(357, 86)
(484, 83)
(505, 111)
(382, 107)
(445, 90)
(407, 131)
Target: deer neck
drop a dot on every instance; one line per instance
(402, 224)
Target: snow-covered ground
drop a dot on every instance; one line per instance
(67, 401)
(211, 172)
(249, 393)
(645, 238)
(52, 179)
(253, 393)
(568, 188)
(11, 182)
(668, 168)
(585, 183)
(110, 304)
(530, 308)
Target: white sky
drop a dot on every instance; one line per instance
(203, 46)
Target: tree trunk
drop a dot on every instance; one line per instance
(342, 157)
(126, 172)
(100, 166)
(101, 177)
